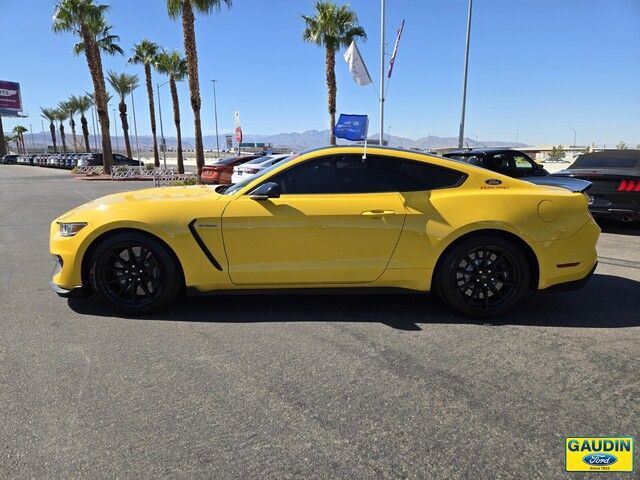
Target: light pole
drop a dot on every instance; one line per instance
(464, 81)
(115, 126)
(44, 138)
(33, 145)
(382, 13)
(215, 113)
(162, 141)
(135, 126)
(574, 135)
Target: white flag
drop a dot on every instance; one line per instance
(356, 65)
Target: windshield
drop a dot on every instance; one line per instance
(240, 185)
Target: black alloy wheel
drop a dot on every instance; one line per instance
(134, 273)
(484, 276)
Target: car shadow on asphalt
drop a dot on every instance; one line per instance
(606, 302)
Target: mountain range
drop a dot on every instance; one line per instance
(293, 140)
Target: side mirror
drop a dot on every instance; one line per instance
(265, 191)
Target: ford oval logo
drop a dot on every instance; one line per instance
(493, 181)
(599, 459)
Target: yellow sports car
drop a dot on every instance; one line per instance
(333, 218)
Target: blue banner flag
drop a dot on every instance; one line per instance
(352, 127)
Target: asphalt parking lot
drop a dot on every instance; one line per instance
(380, 386)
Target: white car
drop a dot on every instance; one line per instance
(246, 170)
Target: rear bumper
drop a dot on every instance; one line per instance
(569, 260)
(571, 285)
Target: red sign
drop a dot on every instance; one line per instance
(239, 135)
(10, 101)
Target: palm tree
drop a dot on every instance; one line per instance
(185, 9)
(87, 20)
(50, 114)
(332, 27)
(123, 84)
(174, 66)
(145, 53)
(19, 132)
(83, 103)
(61, 115)
(71, 110)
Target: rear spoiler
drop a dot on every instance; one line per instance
(568, 183)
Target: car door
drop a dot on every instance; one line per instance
(337, 221)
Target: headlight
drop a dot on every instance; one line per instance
(70, 229)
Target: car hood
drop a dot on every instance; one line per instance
(167, 198)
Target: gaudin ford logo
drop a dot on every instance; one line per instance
(598, 454)
(493, 181)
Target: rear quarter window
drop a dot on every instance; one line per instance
(416, 176)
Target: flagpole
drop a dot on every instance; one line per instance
(382, 8)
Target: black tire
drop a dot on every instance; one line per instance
(134, 273)
(483, 276)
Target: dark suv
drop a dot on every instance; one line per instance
(502, 160)
(9, 159)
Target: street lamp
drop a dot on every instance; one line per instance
(574, 135)
(135, 126)
(115, 126)
(162, 141)
(215, 113)
(464, 81)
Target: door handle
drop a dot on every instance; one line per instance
(378, 213)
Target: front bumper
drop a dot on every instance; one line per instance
(58, 290)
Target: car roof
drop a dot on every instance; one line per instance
(480, 150)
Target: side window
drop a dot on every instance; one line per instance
(523, 164)
(353, 174)
(314, 176)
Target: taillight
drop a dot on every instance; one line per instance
(629, 186)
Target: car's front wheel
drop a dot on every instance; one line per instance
(483, 276)
(134, 273)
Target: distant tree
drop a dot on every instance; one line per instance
(123, 84)
(557, 153)
(61, 116)
(145, 53)
(621, 146)
(83, 104)
(185, 10)
(71, 110)
(86, 19)
(332, 27)
(7, 139)
(175, 67)
(19, 132)
(50, 114)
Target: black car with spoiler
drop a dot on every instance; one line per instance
(511, 163)
(615, 175)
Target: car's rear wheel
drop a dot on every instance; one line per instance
(483, 276)
(134, 273)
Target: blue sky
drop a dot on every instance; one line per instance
(540, 67)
